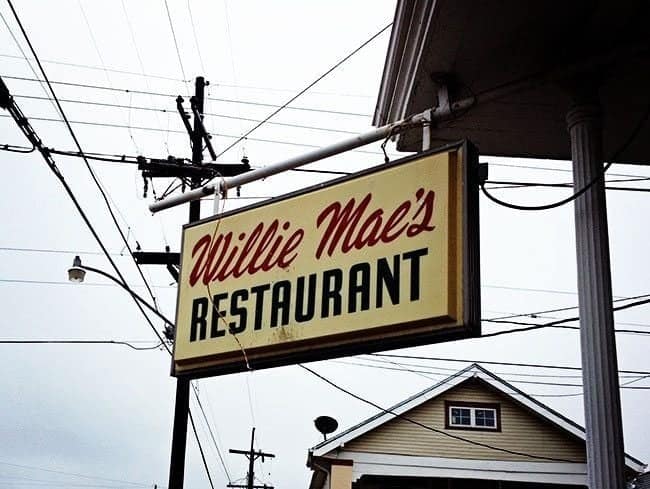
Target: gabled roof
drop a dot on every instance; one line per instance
(473, 371)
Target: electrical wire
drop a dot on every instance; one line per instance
(196, 40)
(17, 149)
(214, 99)
(378, 359)
(101, 60)
(275, 112)
(560, 323)
(515, 381)
(598, 178)
(54, 282)
(178, 52)
(73, 474)
(562, 309)
(522, 185)
(11, 33)
(167, 78)
(550, 325)
(90, 170)
(214, 441)
(79, 342)
(500, 363)
(624, 385)
(169, 111)
(87, 221)
(205, 462)
(560, 170)
(136, 160)
(427, 427)
(178, 131)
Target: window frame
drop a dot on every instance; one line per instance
(473, 406)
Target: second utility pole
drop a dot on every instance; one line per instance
(252, 455)
(182, 407)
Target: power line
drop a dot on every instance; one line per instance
(73, 474)
(562, 309)
(214, 441)
(196, 435)
(168, 111)
(90, 170)
(553, 325)
(560, 323)
(521, 185)
(196, 40)
(178, 131)
(54, 282)
(563, 170)
(214, 99)
(598, 178)
(79, 342)
(516, 381)
(11, 33)
(336, 65)
(55, 170)
(168, 78)
(492, 362)
(427, 427)
(136, 160)
(519, 373)
(178, 53)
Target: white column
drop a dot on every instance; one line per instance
(602, 404)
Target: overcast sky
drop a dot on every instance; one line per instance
(104, 412)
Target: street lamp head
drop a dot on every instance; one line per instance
(76, 273)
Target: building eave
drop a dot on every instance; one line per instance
(410, 25)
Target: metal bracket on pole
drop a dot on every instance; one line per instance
(204, 134)
(427, 116)
(217, 200)
(443, 107)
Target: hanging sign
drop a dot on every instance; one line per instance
(382, 259)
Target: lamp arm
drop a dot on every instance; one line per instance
(134, 294)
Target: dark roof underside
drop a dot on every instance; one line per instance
(477, 47)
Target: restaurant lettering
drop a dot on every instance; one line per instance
(340, 227)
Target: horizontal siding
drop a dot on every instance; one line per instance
(521, 431)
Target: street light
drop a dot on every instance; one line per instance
(77, 273)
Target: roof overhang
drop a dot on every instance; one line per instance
(521, 62)
(386, 465)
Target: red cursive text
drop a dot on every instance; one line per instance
(218, 257)
(349, 226)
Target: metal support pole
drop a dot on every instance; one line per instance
(309, 157)
(602, 404)
(179, 434)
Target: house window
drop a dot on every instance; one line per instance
(477, 416)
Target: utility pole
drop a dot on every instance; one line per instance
(182, 405)
(198, 136)
(252, 455)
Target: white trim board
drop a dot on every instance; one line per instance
(413, 466)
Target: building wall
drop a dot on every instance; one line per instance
(521, 431)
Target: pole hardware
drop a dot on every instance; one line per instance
(252, 455)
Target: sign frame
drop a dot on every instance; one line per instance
(345, 344)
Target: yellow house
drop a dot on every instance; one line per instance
(472, 430)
